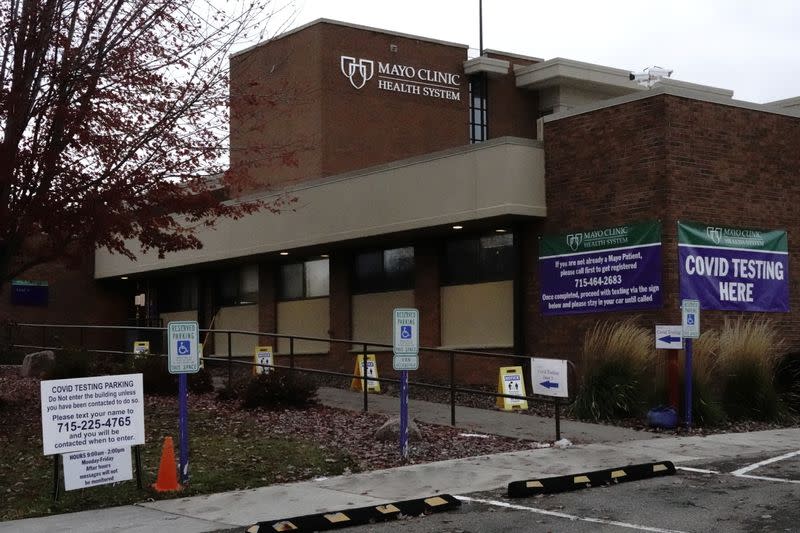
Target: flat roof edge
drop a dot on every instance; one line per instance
(672, 91)
(347, 25)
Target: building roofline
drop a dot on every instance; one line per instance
(512, 55)
(347, 25)
(673, 89)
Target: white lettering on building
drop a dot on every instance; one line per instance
(403, 78)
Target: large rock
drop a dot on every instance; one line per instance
(390, 430)
(38, 363)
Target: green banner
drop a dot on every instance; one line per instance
(600, 239)
(696, 234)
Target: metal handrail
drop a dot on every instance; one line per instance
(365, 346)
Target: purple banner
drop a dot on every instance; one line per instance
(620, 279)
(735, 279)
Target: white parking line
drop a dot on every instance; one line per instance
(556, 514)
(698, 470)
(765, 478)
(753, 466)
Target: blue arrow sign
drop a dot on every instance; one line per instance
(549, 384)
(669, 339)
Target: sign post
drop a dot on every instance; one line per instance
(184, 358)
(671, 338)
(549, 377)
(690, 325)
(406, 357)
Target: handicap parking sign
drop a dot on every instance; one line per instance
(690, 319)
(405, 332)
(184, 347)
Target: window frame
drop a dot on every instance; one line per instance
(280, 294)
(481, 272)
(406, 280)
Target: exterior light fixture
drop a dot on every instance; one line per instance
(284, 253)
(458, 227)
(499, 230)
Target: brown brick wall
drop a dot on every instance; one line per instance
(665, 158)
(370, 126)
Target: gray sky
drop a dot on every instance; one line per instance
(752, 48)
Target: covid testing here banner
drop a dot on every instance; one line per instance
(607, 269)
(734, 269)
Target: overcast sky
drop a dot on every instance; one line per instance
(751, 47)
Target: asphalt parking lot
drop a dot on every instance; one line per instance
(749, 493)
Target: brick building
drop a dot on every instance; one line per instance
(427, 179)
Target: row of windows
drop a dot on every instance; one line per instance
(467, 260)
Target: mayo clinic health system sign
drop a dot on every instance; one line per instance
(734, 269)
(607, 269)
(407, 79)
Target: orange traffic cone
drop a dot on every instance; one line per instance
(167, 470)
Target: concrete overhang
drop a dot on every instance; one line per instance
(490, 66)
(559, 72)
(501, 177)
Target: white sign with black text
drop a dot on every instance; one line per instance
(97, 467)
(549, 377)
(92, 413)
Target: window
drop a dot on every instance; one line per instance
(478, 113)
(177, 294)
(384, 270)
(310, 279)
(238, 286)
(478, 259)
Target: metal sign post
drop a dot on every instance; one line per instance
(406, 357)
(690, 323)
(184, 358)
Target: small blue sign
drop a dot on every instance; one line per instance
(690, 319)
(184, 347)
(405, 332)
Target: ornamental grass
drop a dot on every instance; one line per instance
(614, 371)
(749, 351)
(707, 409)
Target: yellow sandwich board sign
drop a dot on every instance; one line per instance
(262, 359)
(512, 383)
(141, 347)
(372, 372)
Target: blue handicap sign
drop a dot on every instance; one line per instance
(184, 347)
(405, 332)
(690, 319)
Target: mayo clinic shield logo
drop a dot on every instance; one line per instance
(358, 71)
(715, 234)
(574, 240)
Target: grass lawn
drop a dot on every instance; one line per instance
(229, 450)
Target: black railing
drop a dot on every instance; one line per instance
(20, 336)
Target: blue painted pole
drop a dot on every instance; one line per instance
(687, 377)
(183, 422)
(404, 414)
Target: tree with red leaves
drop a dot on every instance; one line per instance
(113, 124)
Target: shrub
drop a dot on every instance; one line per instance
(748, 356)
(201, 382)
(614, 371)
(280, 388)
(156, 378)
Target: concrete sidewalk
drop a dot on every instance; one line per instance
(461, 476)
(506, 423)
(599, 447)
